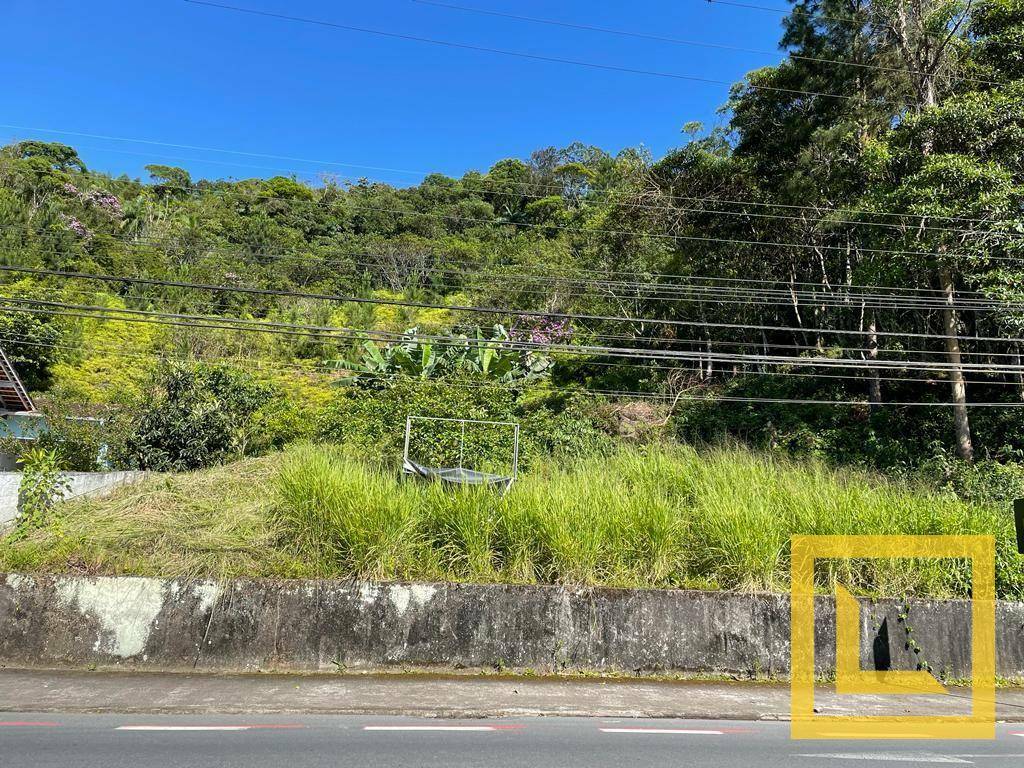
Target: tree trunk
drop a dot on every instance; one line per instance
(1020, 374)
(874, 380)
(961, 423)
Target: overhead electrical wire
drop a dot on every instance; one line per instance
(338, 371)
(713, 399)
(784, 295)
(589, 334)
(477, 309)
(680, 41)
(469, 385)
(698, 238)
(535, 185)
(57, 308)
(861, 378)
(658, 235)
(483, 186)
(525, 55)
(690, 238)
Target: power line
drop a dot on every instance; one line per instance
(687, 238)
(86, 351)
(332, 332)
(537, 185)
(476, 309)
(483, 186)
(711, 399)
(784, 295)
(675, 237)
(524, 55)
(680, 41)
(589, 334)
(695, 238)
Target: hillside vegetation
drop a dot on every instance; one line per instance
(654, 518)
(846, 243)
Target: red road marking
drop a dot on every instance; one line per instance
(27, 724)
(244, 727)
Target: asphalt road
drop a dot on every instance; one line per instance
(305, 741)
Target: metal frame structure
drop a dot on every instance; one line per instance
(409, 468)
(14, 397)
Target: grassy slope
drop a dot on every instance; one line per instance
(661, 518)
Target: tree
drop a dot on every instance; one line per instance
(169, 180)
(193, 417)
(31, 343)
(53, 154)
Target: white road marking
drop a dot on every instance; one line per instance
(431, 728)
(682, 731)
(891, 757)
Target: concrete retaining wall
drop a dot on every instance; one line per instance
(81, 484)
(321, 625)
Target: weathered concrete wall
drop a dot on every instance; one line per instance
(81, 484)
(322, 625)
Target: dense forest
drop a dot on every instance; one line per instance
(835, 271)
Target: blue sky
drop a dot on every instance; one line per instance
(172, 72)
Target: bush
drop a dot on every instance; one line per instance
(897, 440)
(194, 417)
(372, 418)
(80, 443)
(42, 486)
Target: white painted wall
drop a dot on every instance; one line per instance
(82, 484)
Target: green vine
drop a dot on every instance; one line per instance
(910, 642)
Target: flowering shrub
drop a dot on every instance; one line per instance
(74, 225)
(105, 201)
(543, 330)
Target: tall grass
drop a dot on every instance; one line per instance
(670, 517)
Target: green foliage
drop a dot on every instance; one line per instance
(31, 345)
(914, 180)
(341, 516)
(193, 417)
(659, 517)
(482, 357)
(43, 485)
(372, 420)
(169, 179)
(51, 154)
(80, 442)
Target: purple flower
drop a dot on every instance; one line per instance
(74, 225)
(104, 201)
(544, 330)
(70, 189)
